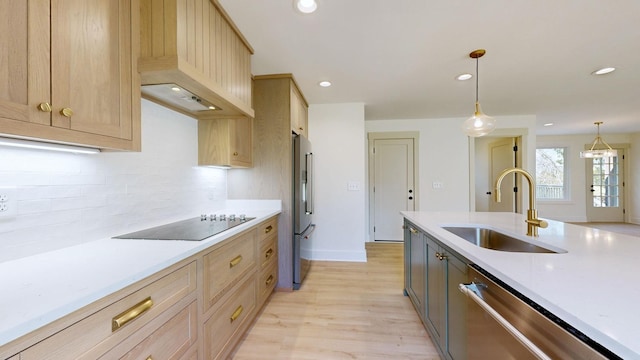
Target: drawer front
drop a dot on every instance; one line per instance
(169, 341)
(221, 330)
(91, 336)
(267, 282)
(225, 265)
(268, 251)
(268, 228)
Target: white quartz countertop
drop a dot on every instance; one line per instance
(39, 289)
(592, 286)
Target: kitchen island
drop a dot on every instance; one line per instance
(44, 289)
(590, 286)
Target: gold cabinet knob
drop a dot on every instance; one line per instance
(44, 107)
(235, 153)
(66, 112)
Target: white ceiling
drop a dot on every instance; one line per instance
(400, 57)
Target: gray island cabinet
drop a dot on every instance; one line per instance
(432, 274)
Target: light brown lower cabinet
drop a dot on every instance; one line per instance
(94, 335)
(170, 341)
(229, 320)
(196, 309)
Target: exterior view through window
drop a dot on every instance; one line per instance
(605, 184)
(551, 177)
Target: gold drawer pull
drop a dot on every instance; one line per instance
(235, 261)
(130, 314)
(413, 231)
(149, 358)
(269, 280)
(268, 229)
(236, 313)
(44, 107)
(66, 112)
(268, 253)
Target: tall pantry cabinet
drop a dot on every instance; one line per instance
(280, 110)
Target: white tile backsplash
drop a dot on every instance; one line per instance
(66, 199)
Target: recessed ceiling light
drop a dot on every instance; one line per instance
(603, 71)
(548, 124)
(463, 77)
(325, 83)
(306, 6)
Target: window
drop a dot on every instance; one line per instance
(551, 174)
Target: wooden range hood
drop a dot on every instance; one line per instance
(194, 46)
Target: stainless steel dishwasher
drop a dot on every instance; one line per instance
(503, 324)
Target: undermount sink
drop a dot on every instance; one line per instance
(492, 239)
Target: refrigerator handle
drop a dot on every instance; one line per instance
(311, 229)
(308, 204)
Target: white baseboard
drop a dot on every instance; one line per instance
(332, 255)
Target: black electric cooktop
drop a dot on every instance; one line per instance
(195, 229)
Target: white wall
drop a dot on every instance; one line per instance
(66, 199)
(574, 209)
(634, 179)
(337, 136)
(443, 157)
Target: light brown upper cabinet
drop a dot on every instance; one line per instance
(225, 142)
(68, 72)
(194, 44)
(299, 112)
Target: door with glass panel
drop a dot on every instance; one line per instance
(605, 188)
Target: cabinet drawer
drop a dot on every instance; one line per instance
(267, 280)
(268, 228)
(225, 265)
(92, 336)
(268, 251)
(221, 330)
(169, 341)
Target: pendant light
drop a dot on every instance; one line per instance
(479, 124)
(603, 150)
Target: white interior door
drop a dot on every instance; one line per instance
(393, 186)
(605, 188)
(501, 157)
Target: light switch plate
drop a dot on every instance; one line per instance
(353, 186)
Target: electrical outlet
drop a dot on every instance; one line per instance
(8, 203)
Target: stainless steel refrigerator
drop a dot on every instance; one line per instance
(302, 207)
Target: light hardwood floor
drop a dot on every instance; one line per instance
(344, 310)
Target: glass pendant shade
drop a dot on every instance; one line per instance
(591, 154)
(479, 124)
(599, 148)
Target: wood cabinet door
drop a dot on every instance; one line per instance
(298, 112)
(436, 291)
(91, 66)
(241, 142)
(24, 61)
